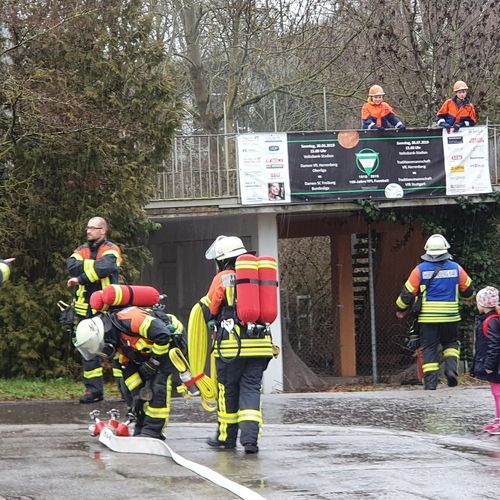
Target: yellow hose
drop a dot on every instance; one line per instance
(198, 341)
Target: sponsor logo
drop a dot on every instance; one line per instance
(456, 169)
(456, 157)
(368, 161)
(457, 139)
(274, 148)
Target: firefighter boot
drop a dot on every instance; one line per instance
(431, 380)
(215, 442)
(450, 371)
(91, 397)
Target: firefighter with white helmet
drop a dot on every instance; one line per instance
(142, 341)
(439, 281)
(457, 111)
(241, 353)
(378, 114)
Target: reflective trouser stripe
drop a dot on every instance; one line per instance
(451, 352)
(430, 367)
(250, 415)
(93, 373)
(133, 381)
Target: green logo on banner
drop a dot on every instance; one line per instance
(367, 161)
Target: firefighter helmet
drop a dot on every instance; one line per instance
(460, 85)
(225, 247)
(436, 245)
(89, 337)
(376, 90)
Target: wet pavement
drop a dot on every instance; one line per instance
(391, 444)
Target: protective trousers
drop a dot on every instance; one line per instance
(435, 336)
(151, 402)
(93, 376)
(239, 399)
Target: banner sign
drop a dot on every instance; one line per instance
(465, 157)
(263, 168)
(352, 165)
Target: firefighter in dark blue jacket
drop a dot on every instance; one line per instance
(439, 315)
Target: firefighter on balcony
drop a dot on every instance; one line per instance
(142, 342)
(439, 315)
(93, 266)
(377, 114)
(242, 353)
(458, 111)
(5, 266)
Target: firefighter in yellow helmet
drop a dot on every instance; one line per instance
(440, 281)
(5, 266)
(378, 114)
(457, 111)
(242, 353)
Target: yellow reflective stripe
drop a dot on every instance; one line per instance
(246, 264)
(451, 352)
(4, 271)
(430, 367)
(401, 304)
(105, 282)
(272, 264)
(160, 349)
(143, 345)
(145, 325)
(206, 300)
(229, 418)
(222, 411)
(97, 372)
(438, 319)
(230, 296)
(163, 412)
(89, 270)
(113, 252)
(117, 373)
(118, 294)
(133, 381)
(76, 256)
(409, 286)
(250, 415)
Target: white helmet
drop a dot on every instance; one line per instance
(225, 247)
(89, 337)
(436, 245)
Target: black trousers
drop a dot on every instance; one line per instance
(239, 408)
(438, 339)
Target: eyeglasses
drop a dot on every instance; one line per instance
(94, 227)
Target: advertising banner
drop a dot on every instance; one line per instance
(351, 165)
(348, 165)
(263, 168)
(465, 158)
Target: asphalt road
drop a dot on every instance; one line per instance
(395, 444)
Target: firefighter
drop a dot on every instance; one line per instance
(439, 315)
(458, 111)
(142, 342)
(93, 266)
(377, 114)
(242, 353)
(5, 266)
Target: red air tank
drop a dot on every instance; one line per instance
(247, 288)
(97, 302)
(268, 288)
(130, 295)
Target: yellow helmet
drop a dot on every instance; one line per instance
(376, 90)
(460, 85)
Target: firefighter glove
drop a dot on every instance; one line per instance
(413, 342)
(149, 368)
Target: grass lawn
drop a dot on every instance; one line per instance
(61, 388)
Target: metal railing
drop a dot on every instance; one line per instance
(204, 167)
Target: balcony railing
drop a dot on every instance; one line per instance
(204, 167)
